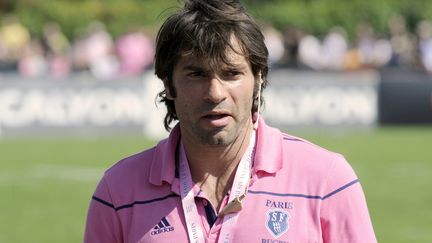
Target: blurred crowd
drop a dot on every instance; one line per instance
(399, 48)
(95, 51)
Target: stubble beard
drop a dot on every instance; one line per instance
(215, 138)
(222, 137)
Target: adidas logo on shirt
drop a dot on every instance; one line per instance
(162, 227)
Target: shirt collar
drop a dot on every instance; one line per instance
(163, 164)
(268, 152)
(267, 158)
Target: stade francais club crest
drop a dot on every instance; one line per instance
(277, 222)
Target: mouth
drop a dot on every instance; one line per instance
(217, 119)
(215, 116)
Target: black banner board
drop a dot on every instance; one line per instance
(405, 97)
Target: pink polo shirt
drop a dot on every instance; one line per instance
(299, 192)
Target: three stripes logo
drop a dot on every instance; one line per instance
(162, 227)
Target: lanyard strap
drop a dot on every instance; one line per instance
(188, 201)
(238, 190)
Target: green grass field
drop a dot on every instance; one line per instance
(46, 185)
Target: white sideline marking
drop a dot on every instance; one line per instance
(42, 172)
(68, 172)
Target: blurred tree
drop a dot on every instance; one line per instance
(314, 16)
(7, 5)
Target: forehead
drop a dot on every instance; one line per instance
(231, 57)
(233, 61)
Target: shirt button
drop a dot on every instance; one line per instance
(205, 202)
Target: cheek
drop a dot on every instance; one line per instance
(245, 99)
(188, 91)
(184, 105)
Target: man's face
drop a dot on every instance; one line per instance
(213, 105)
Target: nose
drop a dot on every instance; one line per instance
(215, 92)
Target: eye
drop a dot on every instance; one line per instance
(232, 74)
(196, 74)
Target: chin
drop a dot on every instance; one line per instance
(220, 138)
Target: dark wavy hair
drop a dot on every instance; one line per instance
(204, 28)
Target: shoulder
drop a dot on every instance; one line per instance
(131, 165)
(325, 169)
(289, 155)
(275, 146)
(310, 154)
(120, 183)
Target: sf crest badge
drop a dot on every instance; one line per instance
(277, 222)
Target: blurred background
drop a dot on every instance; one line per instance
(78, 93)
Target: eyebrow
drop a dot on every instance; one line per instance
(236, 66)
(194, 68)
(227, 67)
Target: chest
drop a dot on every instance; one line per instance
(267, 216)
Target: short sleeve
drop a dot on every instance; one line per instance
(344, 214)
(103, 224)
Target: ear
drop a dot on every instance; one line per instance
(260, 80)
(260, 83)
(167, 90)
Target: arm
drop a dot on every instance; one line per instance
(344, 213)
(103, 224)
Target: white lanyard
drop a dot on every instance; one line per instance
(239, 187)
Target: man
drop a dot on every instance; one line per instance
(223, 174)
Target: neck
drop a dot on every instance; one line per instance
(214, 167)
